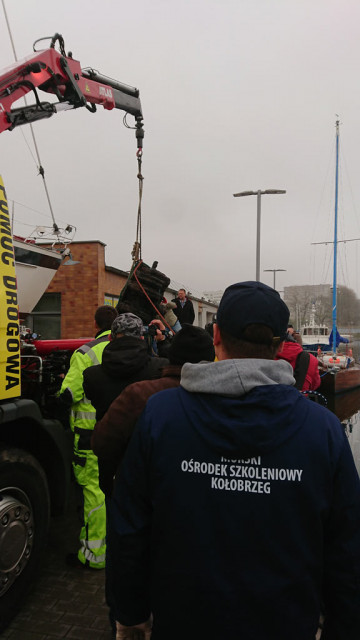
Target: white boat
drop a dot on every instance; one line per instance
(313, 335)
(35, 267)
(37, 258)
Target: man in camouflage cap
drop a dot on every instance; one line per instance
(127, 324)
(125, 360)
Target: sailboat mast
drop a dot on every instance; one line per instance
(334, 301)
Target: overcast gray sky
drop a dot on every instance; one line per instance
(237, 95)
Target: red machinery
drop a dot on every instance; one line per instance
(55, 72)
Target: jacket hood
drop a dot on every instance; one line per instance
(242, 408)
(122, 357)
(235, 377)
(289, 352)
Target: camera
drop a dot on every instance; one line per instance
(151, 330)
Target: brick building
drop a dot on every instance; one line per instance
(67, 308)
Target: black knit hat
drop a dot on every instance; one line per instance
(191, 344)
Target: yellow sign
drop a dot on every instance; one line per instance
(9, 312)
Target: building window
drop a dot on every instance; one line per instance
(45, 319)
(111, 300)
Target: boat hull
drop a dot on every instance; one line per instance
(344, 405)
(339, 381)
(313, 347)
(35, 267)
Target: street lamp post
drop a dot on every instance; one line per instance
(274, 272)
(258, 193)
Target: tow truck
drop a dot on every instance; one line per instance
(34, 447)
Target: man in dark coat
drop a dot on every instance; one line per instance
(236, 509)
(184, 308)
(125, 360)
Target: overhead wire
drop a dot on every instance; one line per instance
(28, 146)
(40, 213)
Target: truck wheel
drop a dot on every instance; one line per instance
(24, 522)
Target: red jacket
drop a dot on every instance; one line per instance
(290, 353)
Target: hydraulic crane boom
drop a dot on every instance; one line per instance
(55, 72)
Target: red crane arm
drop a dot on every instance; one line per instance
(54, 72)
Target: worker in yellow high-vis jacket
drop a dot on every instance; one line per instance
(85, 463)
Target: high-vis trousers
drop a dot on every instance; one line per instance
(93, 532)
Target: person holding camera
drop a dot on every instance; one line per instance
(126, 359)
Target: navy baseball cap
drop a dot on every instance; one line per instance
(251, 302)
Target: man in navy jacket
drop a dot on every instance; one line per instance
(236, 512)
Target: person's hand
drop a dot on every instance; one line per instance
(160, 327)
(137, 632)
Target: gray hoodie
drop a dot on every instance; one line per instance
(235, 377)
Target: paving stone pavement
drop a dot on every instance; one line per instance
(64, 602)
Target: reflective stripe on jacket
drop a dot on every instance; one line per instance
(82, 412)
